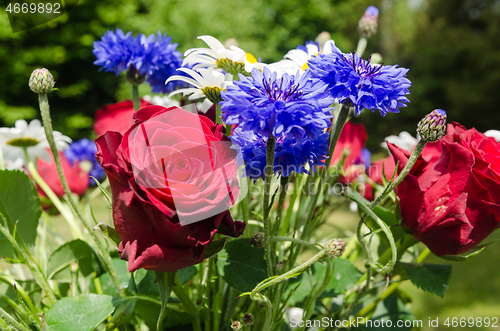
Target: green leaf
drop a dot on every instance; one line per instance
(83, 313)
(241, 265)
(185, 274)
(109, 233)
(123, 312)
(146, 282)
(104, 192)
(165, 282)
(215, 247)
(391, 309)
(107, 284)
(19, 203)
(473, 252)
(433, 278)
(62, 257)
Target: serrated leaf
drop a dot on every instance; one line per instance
(19, 203)
(390, 309)
(241, 265)
(109, 233)
(83, 313)
(123, 312)
(63, 256)
(433, 278)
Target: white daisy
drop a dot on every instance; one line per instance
(493, 133)
(30, 136)
(232, 60)
(208, 84)
(164, 101)
(404, 140)
(296, 59)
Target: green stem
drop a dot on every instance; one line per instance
(297, 191)
(67, 215)
(268, 235)
(135, 97)
(339, 125)
(411, 161)
(296, 240)
(187, 303)
(362, 42)
(279, 214)
(165, 282)
(218, 116)
(24, 295)
(31, 263)
(47, 124)
(357, 198)
(10, 320)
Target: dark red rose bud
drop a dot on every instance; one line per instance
(150, 169)
(451, 197)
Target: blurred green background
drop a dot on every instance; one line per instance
(452, 48)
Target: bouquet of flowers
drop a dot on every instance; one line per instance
(222, 210)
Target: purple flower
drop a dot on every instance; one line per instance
(354, 80)
(289, 106)
(114, 51)
(84, 150)
(290, 154)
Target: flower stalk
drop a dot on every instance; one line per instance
(47, 124)
(268, 235)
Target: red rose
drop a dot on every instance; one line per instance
(167, 160)
(352, 137)
(117, 117)
(78, 179)
(383, 167)
(451, 197)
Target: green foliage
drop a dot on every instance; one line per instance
(391, 309)
(19, 203)
(73, 251)
(83, 313)
(432, 278)
(241, 265)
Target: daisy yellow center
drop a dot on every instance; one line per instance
(23, 142)
(306, 65)
(232, 67)
(212, 94)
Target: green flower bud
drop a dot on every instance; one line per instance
(334, 248)
(41, 81)
(236, 325)
(247, 319)
(134, 76)
(433, 126)
(367, 25)
(257, 240)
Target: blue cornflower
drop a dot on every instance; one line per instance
(288, 106)
(366, 157)
(290, 154)
(167, 60)
(84, 150)
(154, 55)
(354, 80)
(114, 51)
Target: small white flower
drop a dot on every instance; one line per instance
(207, 84)
(296, 59)
(404, 140)
(30, 136)
(164, 101)
(493, 133)
(232, 60)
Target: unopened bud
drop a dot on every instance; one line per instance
(134, 76)
(247, 319)
(257, 240)
(236, 325)
(334, 248)
(433, 126)
(367, 25)
(322, 38)
(41, 81)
